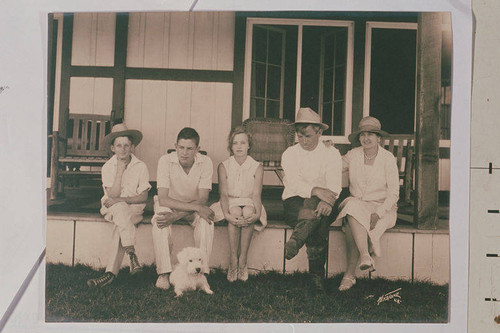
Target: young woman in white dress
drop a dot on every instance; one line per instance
(240, 187)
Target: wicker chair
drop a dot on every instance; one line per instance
(271, 137)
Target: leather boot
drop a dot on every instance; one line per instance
(301, 232)
(317, 271)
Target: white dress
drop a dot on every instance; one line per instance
(374, 189)
(240, 183)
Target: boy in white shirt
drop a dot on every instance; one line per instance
(125, 180)
(184, 181)
(313, 181)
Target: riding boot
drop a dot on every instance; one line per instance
(300, 234)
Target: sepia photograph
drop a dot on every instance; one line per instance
(248, 167)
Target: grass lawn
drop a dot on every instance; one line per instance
(268, 297)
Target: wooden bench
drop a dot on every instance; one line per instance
(80, 148)
(402, 146)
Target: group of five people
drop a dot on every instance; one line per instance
(312, 185)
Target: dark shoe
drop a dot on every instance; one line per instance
(291, 248)
(317, 283)
(102, 281)
(135, 267)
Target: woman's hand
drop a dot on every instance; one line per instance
(252, 219)
(236, 221)
(373, 220)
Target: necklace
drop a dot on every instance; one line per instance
(369, 158)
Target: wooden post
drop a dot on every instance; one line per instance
(54, 166)
(427, 119)
(67, 47)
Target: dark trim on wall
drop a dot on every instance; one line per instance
(238, 69)
(121, 37)
(67, 46)
(169, 74)
(92, 71)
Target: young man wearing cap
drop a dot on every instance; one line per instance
(313, 181)
(125, 180)
(184, 180)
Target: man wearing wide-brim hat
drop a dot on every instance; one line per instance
(313, 181)
(125, 180)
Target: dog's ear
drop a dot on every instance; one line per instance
(181, 256)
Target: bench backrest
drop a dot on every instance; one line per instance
(400, 145)
(86, 133)
(271, 137)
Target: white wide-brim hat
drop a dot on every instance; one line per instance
(121, 130)
(308, 116)
(367, 124)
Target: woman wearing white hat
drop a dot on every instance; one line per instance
(371, 207)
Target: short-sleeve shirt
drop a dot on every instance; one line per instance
(135, 178)
(184, 187)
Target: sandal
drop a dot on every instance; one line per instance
(347, 283)
(367, 263)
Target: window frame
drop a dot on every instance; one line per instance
(370, 25)
(301, 23)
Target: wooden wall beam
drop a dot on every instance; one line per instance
(120, 62)
(427, 119)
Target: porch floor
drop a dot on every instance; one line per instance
(84, 200)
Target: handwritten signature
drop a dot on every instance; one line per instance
(394, 295)
(3, 88)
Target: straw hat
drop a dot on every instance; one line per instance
(308, 116)
(121, 130)
(367, 124)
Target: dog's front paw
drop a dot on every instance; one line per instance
(209, 291)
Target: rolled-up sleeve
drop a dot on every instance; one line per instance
(108, 173)
(293, 181)
(163, 173)
(334, 171)
(207, 170)
(143, 179)
(392, 179)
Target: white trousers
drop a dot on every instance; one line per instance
(162, 241)
(124, 217)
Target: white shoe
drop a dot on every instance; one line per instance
(366, 262)
(162, 282)
(347, 283)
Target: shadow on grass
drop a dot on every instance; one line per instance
(267, 297)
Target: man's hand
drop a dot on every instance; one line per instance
(323, 209)
(121, 165)
(111, 201)
(206, 213)
(373, 220)
(164, 219)
(325, 195)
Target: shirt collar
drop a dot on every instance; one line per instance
(175, 159)
(245, 165)
(133, 160)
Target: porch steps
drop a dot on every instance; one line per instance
(407, 253)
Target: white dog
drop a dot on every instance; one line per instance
(187, 274)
